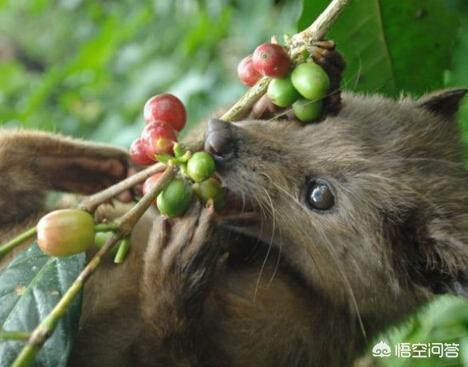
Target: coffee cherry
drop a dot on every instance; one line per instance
(138, 153)
(167, 108)
(211, 189)
(247, 72)
(158, 138)
(100, 240)
(310, 80)
(281, 92)
(65, 232)
(175, 199)
(306, 110)
(150, 182)
(271, 60)
(200, 166)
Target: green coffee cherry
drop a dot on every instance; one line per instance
(200, 166)
(175, 199)
(211, 189)
(281, 92)
(306, 110)
(310, 80)
(100, 240)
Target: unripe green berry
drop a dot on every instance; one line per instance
(281, 92)
(100, 240)
(310, 80)
(200, 166)
(306, 110)
(211, 189)
(175, 199)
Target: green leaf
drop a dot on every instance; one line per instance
(391, 46)
(163, 158)
(30, 287)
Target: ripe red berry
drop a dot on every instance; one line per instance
(158, 138)
(247, 72)
(138, 153)
(271, 60)
(166, 108)
(150, 182)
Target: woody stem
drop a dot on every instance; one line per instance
(125, 225)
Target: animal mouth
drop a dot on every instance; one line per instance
(239, 212)
(252, 244)
(249, 243)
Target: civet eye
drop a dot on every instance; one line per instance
(319, 195)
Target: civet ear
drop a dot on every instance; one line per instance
(445, 102)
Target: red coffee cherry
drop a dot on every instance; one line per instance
(158, 138)
(138, 153)
(271, 60)
(150, 182)
(167, 108)
(247, 72)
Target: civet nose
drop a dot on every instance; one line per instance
(219, 140)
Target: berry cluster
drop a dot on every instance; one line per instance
(268, 59)
(165, 115)
(304, 88)
(66, 232)
(70, 231)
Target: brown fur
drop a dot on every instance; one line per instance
(322, 284)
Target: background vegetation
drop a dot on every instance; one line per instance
(85, 68)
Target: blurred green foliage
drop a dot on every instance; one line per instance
(85, 68)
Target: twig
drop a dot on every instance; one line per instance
(14, 335)
(18, 240)
(122, 251)
(317, 30)
(125, 225)
(243, 106)
(90, 203)
(297, 45)
(105, 227)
